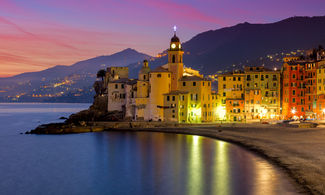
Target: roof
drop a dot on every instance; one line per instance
(160, 69)
(193, 78)
(174, 39)
(125, 81)
(144, 70)
(176, 92)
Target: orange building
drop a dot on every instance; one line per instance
(293, 89)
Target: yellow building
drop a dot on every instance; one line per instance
(262, 93)
(168, 93)
(231, 93)
(142, 96)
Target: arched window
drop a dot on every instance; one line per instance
(173, 60)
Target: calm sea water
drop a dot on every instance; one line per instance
(123, 162)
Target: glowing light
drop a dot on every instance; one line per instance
(173, 45)
(293, 111)
(221, 112)
(324, 110)
(175, 28)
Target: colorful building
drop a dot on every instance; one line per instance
(167, 93)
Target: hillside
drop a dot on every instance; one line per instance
(246, 44)
(210, 52)
(64, 83)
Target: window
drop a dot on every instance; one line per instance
(256, 76)
(294, 100)
(224, 86)
(208, 83)
(173, 111)
(122, 86)
(116, 86)
(194, 83)
(234, 78)
(224, 94)
(293, 76)
(174, 59)
(173, 98)
(238, 78)
(248, 77)
(293, 92)
(184, 83)
(144, 77)
(224, 78)
(158, 75)
(168, 98)
(168, 75)
(203, 83)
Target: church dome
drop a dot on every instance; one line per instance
(175, 39)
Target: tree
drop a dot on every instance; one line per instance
(101, 74)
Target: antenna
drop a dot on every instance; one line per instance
(175, 28)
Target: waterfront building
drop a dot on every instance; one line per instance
(303, 88)
(231, 93)
(262, 93)
(170, 92)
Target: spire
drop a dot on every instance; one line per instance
(175, 28)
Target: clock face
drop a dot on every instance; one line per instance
(173, 45)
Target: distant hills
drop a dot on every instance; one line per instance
(74, 81)
(245, 43)
(211, 51)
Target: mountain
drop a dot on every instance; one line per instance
(74, 81)
(250, 44)
(210, 52)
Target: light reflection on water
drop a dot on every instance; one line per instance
(125, 162)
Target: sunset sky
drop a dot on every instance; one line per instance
(37, 34)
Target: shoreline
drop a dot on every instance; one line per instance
(304, 184)
(299, 152)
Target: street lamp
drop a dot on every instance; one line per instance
(293, 111)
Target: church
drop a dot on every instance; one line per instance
(171, 92)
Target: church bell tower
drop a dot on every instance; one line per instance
(175, 60)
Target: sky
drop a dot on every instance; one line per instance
(38, 34)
